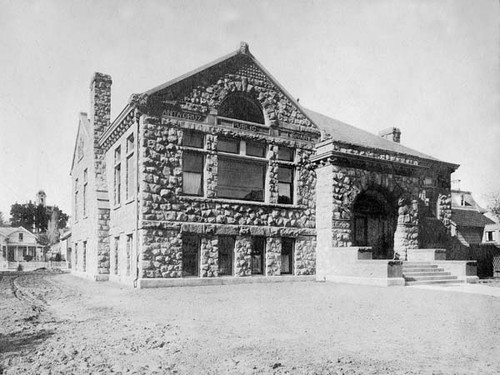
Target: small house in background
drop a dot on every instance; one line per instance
(19, 245)
(492, 230)
(468, 218)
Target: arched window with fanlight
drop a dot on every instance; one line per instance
(239, 107)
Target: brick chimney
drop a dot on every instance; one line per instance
(100, 103)
(391, 134)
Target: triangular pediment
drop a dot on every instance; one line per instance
(203, 90)
(82, 138)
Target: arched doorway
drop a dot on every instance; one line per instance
(375, 219)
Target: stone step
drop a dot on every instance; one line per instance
(427, 269)
(417, 265)
(431, 282)
(430, 278)
(434, 273)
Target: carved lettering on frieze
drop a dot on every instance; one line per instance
(183, 115)
(341, 224)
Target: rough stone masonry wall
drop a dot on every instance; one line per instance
(163, 209)
(273, 256)
(103, 251)
(348, 183)
(406, 235)
(209, 257)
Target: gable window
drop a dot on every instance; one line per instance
(190, 255)
(85, 182)
(117, 177)
(193, 139)
(285, 185)
(130, 174)
(21, 237)
(192, 173)
(240, 107)
(490, 236)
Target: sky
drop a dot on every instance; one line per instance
(431, 68)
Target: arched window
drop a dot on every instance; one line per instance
(239, 107)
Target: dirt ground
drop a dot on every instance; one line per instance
(59, 324)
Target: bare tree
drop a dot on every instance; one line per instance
(493, 205)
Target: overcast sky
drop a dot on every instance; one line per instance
(430, 68)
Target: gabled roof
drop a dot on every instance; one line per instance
(83, 123)
(351, 135)
(7, 231)
(469, 218)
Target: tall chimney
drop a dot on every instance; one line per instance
(100, 103)
(391, 134)
(100, 119)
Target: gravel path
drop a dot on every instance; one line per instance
(60, 324)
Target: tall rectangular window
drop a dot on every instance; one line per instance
(287, 255)
(21, 237)
(76, 200)
(285, 185)
(130, 244)
(116, 253)
(489, 236)
(117, 176)
(85, 183)
(226, 251)
(84, 262)
(241, 179)
(131, 170)
(76, 256)
(190, 255)
(258, 255)
(192, 173)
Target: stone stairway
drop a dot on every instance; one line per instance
(426, 273)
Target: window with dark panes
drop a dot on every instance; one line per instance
(131, 172)
(285, 185)
(190, 255)
(256, 149)
(84, 262)
(192, 173)
(85, 184)
(258, 255)
(241, 179)
(193, 139)
(128, 249)
(287, 255)
(240, 107)
(228, 145)
(285, 153)
(226, 251)
(116, 252)
(117, 176)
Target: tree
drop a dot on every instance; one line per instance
(494, 203)
(31, 216)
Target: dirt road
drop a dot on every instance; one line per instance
(59, 324)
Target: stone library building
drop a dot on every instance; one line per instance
(220, 176)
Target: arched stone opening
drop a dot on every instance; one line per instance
(375, 216)
(238, 106)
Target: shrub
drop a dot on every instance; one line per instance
(28, 258)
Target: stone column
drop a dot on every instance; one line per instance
(273, 256)
(406, 235)
(243, 256)
(209, 257)
(305, 256)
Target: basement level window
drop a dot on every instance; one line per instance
(190, 255)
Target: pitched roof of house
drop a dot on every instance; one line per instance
(469, 218)
(349, 134)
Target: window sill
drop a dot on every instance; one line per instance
(238, 201)
(130, 200)
(117, 206)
